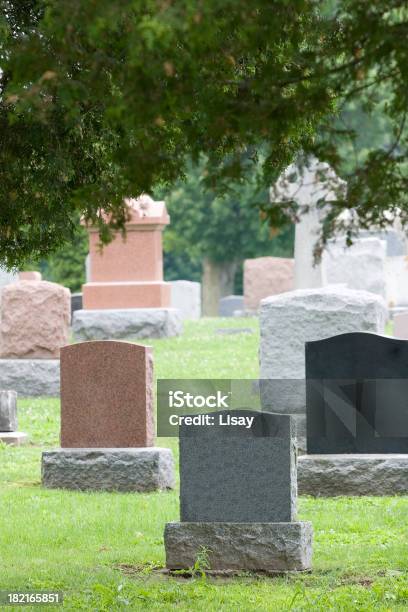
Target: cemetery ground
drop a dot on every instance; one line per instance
(105, 551)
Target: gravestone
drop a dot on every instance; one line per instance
(229, 304)
(76, 302)
(34, 324)
(357, 416)
(107, 427)
(314, 184)
(396, 281)
(126, 280)
(7, 277)
(8, 419)
(289, 320)
(265, 276)
(359, 266)
(401, 325)
(238, 497)
(186, 297)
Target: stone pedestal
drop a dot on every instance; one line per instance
(236, 547)
(108, 469)
(13, 438)
(31, 377)
(126, 324)
(353, 475)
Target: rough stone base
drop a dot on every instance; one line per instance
(334, 475)
(126, 324)
(108, 469)
(263, 547)
(13, 438)
(31, 377)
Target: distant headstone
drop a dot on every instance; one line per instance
(35, 319)
(106, 395)
(396, 280)
(314, 184)
(8, 420)
(401, 325)
(229, 304)
(29, 276)
(356, 400)
(186, 297)
(289, 320)
(8, 411)
(238, 497)
(107, 428)
(76, 302)
(359, 266)
(265, 276)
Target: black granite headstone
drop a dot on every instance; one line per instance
(357, 394)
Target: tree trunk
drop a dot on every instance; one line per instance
(217, 281)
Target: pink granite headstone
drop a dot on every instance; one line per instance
(128, 272)
(265, 276)
(35, 318)
(106, 395)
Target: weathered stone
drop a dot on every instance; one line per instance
(360, 266)
(106, 395)
(186, 297)
(126, 324)
(239, 475)
(13, 438)
(35, 317)
(315, 183)
(265, 276)
(396, 279)
(289, 320)
(31, 377)
(266, 547)
(108, 469)
(230, 304)
(8, 410)
(353, 474)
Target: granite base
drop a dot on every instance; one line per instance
(108, 469)
(13, 438)
(237, 547)
(31, 377)
(126, 324)
(352, 475)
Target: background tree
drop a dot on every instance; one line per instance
(99, 100)
(215, 234)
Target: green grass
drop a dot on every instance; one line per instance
(105, 550)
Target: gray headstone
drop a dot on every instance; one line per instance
(186, 297)
(8, 411)
(229, 304)
(238, 475)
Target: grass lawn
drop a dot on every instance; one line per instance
(103, 550)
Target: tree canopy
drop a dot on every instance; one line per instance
(108, 98)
